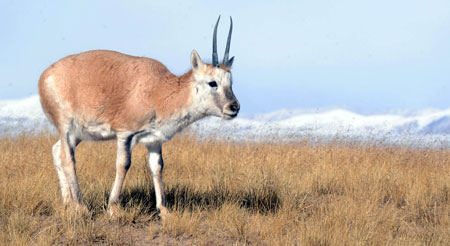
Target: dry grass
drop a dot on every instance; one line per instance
(232, 194)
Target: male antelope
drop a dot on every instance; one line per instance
(102, 95)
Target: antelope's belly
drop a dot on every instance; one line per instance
(94, 131)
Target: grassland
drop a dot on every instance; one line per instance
(220, 193)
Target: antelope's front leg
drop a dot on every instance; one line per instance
(156, 166)
(123, 163)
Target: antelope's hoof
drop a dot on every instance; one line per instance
(163, 212)
(113, 210)
(74, 208)
(81, 208)
(77, 206)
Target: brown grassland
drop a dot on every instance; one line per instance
(223, 193)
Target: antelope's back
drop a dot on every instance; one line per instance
(100, 86)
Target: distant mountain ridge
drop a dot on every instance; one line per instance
(27, 112)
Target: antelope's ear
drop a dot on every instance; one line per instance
(230, 62)
(196, 62)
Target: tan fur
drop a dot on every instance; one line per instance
(107, 86)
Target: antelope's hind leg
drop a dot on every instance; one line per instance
(57, 162)
(64, 160)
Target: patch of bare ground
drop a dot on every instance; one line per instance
(224, 193)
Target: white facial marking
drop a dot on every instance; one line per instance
(212, 100)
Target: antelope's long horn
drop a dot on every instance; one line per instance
(215, 57)
(227, 49)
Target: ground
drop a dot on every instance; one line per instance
(221, 192)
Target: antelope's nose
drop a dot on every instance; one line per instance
(235, 106)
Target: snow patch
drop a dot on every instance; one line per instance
(425, 126)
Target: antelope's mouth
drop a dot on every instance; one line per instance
(230, 116)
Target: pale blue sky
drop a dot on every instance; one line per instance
(366, 56)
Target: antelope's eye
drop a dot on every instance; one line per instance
(212, 84)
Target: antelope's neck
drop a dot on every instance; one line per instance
(174, 100)
(174, 109)
(179, 97)
(187, 113)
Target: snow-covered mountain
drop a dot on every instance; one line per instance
(423, 126)
(21, 114)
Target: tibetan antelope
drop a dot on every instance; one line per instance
(102, 95)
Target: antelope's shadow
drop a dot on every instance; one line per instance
(183, 197)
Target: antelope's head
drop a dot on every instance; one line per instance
(213, 82)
